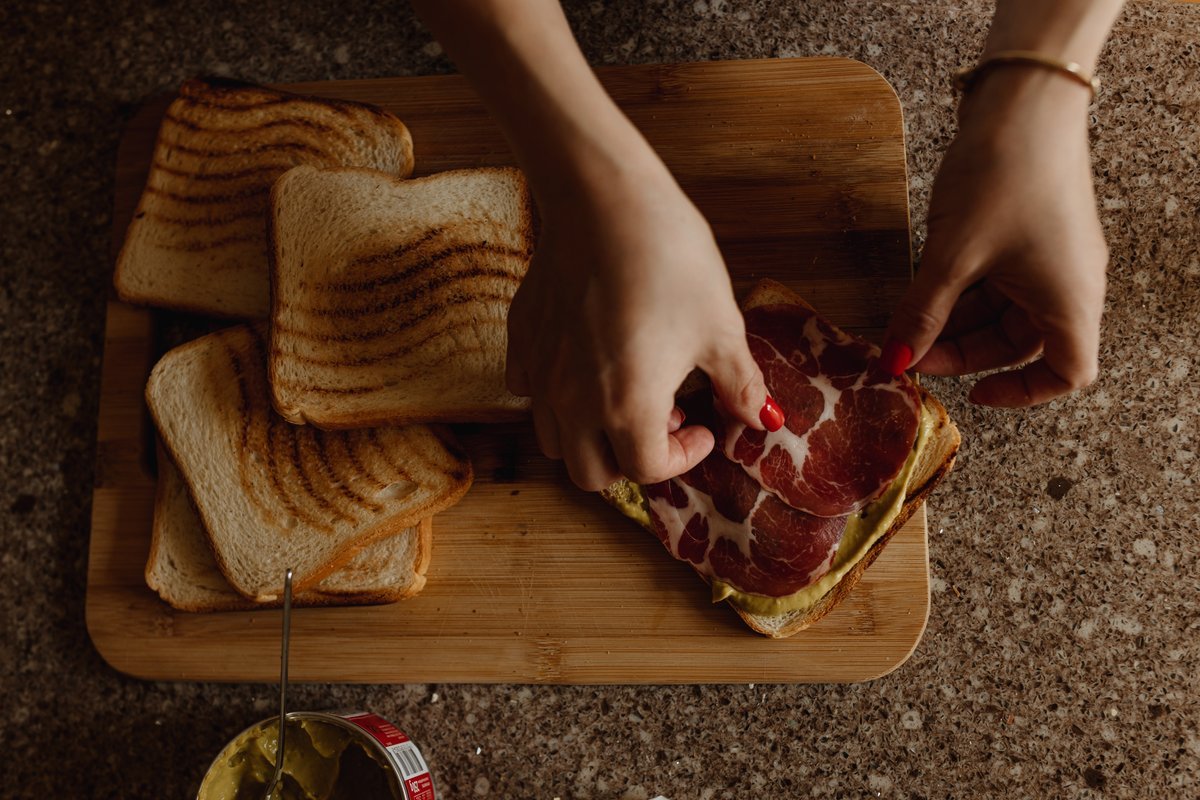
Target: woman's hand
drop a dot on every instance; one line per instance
(626, 295)
(1014, 264)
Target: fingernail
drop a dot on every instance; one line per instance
(676, 420)
(771, 415)
(896, 357)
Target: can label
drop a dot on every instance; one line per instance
(402, 752)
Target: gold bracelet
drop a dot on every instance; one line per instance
(965, 78)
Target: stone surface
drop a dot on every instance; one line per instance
(1063, 648)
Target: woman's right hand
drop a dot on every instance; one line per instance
(626, 295)
(627, 292)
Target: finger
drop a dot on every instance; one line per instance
(589, 459)
(516, 376)
(545, 425)
(1068, 363)
(738, 383)
(516, 379)
(676, 419)
(922, 313)
(1011, 339)
(648, 452)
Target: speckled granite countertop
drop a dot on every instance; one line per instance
(1062, 656)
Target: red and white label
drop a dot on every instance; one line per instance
(380, 729)
(403, 753)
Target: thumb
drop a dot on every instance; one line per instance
(922, 313)
(738, 382)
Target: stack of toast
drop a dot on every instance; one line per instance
(298, 216)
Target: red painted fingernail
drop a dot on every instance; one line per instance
(771, 415)
(896, 357)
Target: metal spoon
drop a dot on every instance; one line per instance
(283, 680)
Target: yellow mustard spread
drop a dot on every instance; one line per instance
(322, 761)
(863, 529)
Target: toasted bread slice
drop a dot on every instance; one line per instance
(934, 462)
(273, 495)
(390, 298)
(182, 569)
(198, 238)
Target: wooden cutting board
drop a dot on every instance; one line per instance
(799, 166)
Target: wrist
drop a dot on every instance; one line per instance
(1065, 30)
(597, 166)
(1018, 93)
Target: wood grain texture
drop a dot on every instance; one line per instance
(799, 165)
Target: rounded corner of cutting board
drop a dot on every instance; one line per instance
(911, 635)
(917, 636)
(918, 633)
(879, 78)
(113, 646)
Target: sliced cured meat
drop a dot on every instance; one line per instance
(717, 518)
(850, 426)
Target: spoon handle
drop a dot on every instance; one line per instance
(283, 681)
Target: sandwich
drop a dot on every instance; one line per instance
(198, 237)
(183, 570)
(273, 496)
(783, 525)
(390, 297)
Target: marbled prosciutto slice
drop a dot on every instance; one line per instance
(719, 520)
(850, 426)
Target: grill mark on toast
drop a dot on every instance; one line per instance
(208, 101)
(304, 388)
(300, 463)
(319, 128)
(436, 308)
(382, 258)
(239, 376)
(382, 454)
(222, 175)
(341, 360)
(211, 244)
(302, 147)
(274, 431)
(211, 96)
(245, 423)
(212, 101)
(431, 460)
(275, 428)
(345, 390)
(412, 294)
(415, 455)
(208, 222)
(193, 222)
(446, 437)
(350, 446)
(256, 192)
(329, 471)
(424, 265)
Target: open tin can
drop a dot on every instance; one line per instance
(329, 756)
